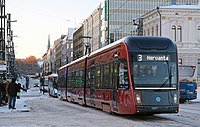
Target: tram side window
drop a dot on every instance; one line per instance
(63, 81)
(88, 79)
(111, 75)
(77, 79)
(73, 83)
(69, 80)
(98, 77)
(54, 80)
(60, 81)
(81, 81)
(106, 76)
(123, 74)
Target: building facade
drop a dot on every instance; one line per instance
(78, 43)
(53, 59)
(91, 28)
(113, 19)
(67, 47)
(58, 53)
(118, 16)
(181, 23)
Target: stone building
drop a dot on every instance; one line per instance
(181, 23)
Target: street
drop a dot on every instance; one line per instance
(48, 111)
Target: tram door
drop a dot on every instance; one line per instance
(115, 82)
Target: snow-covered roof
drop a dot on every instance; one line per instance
(192, 7)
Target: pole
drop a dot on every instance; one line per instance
(160, 19)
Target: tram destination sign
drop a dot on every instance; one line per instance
(152, 57)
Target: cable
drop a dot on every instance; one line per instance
(131, 20)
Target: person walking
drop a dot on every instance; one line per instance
(27, 82)
(19, 88)
(11, 91)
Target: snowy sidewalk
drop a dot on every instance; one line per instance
(21, 105)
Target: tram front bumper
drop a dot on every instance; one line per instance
(156, 109)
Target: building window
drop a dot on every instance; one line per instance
(179, 34)
(174, 33)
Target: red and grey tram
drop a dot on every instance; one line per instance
(134, 75)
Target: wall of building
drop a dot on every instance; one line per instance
(78, 44)
(119, 15)
(181, 24)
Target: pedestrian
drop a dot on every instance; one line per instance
(27, 82)
(19, 88)
(42, 85)
(11, 92)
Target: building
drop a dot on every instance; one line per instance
(91, 28)
(87, 36)
(46, 58)
(58, 52)
(78, 43)
(181, 23)
(67, 47)
(53, 59)
(113, 19)
(117, 16)
(45, 65)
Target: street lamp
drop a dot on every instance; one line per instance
(87, 44)
(140, 26)
(160, 18)
(12, 21)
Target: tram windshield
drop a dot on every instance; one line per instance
(154, 74)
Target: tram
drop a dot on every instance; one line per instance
(134, 75)
(52, 84)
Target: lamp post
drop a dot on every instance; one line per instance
(140, 26)
(160, 19)
(87, 44)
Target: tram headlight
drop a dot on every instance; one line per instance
(138, 98)
(175, 98)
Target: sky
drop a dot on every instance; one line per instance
(36, 19)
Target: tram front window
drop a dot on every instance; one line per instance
(154, 74)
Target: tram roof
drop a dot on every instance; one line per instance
(142, 43)
(92, 53)
(127, 40)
